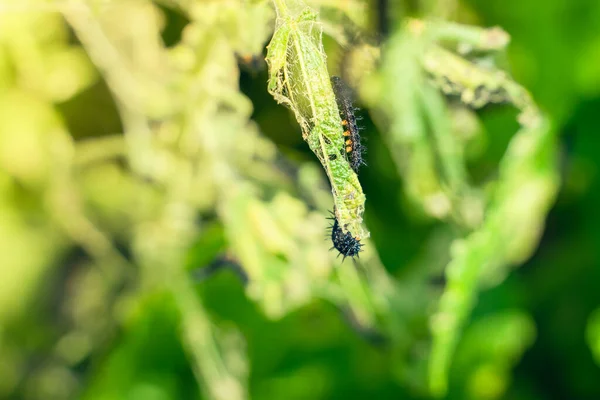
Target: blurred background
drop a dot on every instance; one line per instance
(163, 222)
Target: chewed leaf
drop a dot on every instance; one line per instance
(298, 78)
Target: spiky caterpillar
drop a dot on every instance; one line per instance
(345, 243)
(352, 143)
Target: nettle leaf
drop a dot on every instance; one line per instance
(298, 78)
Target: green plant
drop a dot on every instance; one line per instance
(191, 177)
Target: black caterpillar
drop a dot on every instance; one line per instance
(353, 146)
(347, 245)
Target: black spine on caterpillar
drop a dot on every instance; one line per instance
(347, 245)
(352, 143)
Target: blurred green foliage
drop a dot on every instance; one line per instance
(163, 218)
